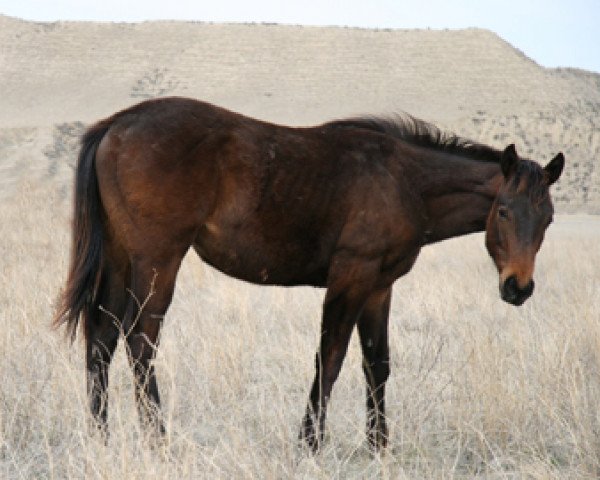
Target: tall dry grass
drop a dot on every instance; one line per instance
(478, 388)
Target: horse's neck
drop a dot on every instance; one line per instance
(458, 195)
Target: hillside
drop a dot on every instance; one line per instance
(57, 77)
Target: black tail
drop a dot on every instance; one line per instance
(86, 249)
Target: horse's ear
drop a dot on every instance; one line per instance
(509, 160)
(554, 168)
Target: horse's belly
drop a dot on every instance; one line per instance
(263, 264)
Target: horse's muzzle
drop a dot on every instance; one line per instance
(513, 294)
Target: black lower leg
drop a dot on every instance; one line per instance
(377, 432)
(372, 328)
(101, 342)
(146, 387)
(313, 423)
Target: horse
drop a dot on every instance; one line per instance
(346, 206)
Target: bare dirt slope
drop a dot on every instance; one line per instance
(57, 77)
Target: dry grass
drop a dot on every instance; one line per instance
(478, 388)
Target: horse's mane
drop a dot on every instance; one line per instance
(418, 132)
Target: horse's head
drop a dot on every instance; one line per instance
(518, 220)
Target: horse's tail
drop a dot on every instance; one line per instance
(83, 280)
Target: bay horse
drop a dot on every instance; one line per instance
(346, 206)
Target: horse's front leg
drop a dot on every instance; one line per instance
(335, 335)
(345, 298)
(373, 332)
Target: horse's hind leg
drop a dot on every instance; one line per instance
(102, 328)
(373, 331)
(153, 283)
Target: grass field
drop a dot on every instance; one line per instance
(478, 389)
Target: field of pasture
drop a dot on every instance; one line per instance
(479, 389)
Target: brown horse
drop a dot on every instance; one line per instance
(346, 206)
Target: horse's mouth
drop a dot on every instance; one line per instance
(516, 300)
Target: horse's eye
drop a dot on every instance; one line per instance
(503, 212)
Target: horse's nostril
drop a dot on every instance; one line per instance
(510, 286)
(511, 283)
(528, 290)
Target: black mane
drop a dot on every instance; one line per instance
(418, 132)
